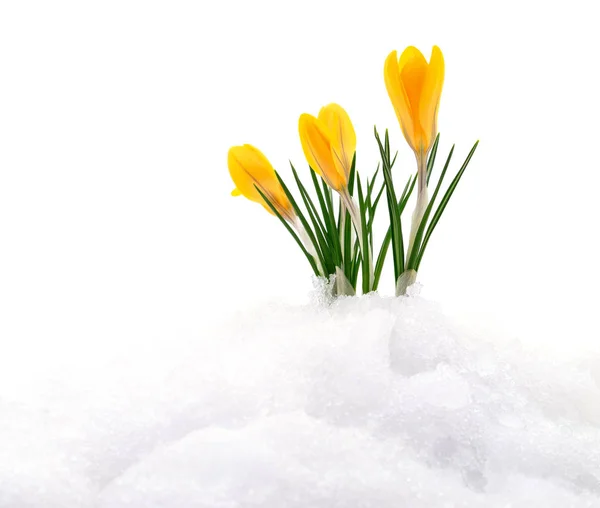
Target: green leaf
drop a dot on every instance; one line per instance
(356, 264)
(366, 262)
(374, 206)
(372, 184)
(419, 234)
(292, 232)
(319, 228)
(381, 258)
(444, 203)
(407, 192)
(348, 259)
(318, 224)
(432, 154)
(302, 219)
(332, 233)
(395, 220)
(352, 175)
(388, 235)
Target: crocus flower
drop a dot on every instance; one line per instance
(415, 87)
(248, 168)
(329, 143)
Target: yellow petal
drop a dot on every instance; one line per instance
(430, 96)
(398, 96)
(413, 69)
(341, 136)
(248, 167)
(317, 150)
(236, 192)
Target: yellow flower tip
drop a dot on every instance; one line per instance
(415, 87)
(341, 135)
(248, 167)
(329, 144)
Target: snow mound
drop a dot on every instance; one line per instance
(368, 402)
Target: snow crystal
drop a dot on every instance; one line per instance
(366, 402)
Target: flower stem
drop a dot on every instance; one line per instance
(358, 226)
(309, 245)
(422, 200)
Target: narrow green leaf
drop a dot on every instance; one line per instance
(356, 264)
(407, 192)
(292, 232)
(327, 217)
(443, 203)
(432, 154)
(352, 175)
(366, 262)
(317, 186)
(395, 220)
(372, 184)
(374, 206)
(381, 258)
(369, 213)
(325, 247)
(308, 203)
(387, 143)
(419, 234)
(302, 218)
(348, 259)
(334, 234)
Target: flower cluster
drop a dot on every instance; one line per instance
(334, 228)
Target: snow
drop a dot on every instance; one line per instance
(366, 402)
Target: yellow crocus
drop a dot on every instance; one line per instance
(329, 143)
(248, 167)
(415, 87)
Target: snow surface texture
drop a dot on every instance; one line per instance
(369, 402)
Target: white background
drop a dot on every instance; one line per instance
(116, 118)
